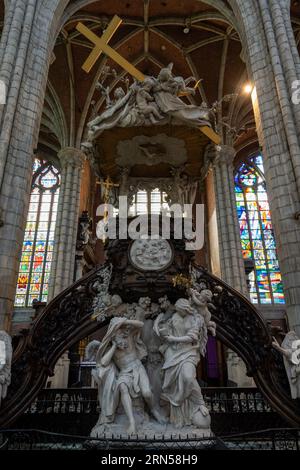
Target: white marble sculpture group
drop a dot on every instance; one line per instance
(156, 100)
(146, 367)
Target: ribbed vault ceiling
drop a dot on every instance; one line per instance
(151, 35)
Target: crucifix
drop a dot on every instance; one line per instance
(107, 184)
(101, 45)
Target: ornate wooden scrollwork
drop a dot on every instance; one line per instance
(66, 320)
(243, 330)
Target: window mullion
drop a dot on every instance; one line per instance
(264, 248)
(251, 244)
(149, 202)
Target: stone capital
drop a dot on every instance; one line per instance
(71, 157)
(225, 155)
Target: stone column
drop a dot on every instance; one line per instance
(231, 260)
(273, 65)
(25, 49)
(61, 373)
(63, 265)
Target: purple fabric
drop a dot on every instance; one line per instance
(212, 358)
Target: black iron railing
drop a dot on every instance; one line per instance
(65, 401)
(235, 400)
(218, 400)
(233, 410)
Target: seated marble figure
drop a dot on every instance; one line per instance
(120, 374)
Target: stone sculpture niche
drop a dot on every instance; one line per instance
(146, 367)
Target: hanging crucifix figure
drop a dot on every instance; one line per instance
(108, 195)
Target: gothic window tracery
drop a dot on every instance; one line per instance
(256, 230)
(37, 251)
(148, 201)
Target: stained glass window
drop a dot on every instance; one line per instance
(257, 236)
(38, 242)
(149, 202)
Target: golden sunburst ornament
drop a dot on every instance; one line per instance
(182, 281)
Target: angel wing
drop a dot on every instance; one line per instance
(157, 323)
(91, 350)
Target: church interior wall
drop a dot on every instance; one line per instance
(90, 197)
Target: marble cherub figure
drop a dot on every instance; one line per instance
(201, 300)
(145, 102)
(143, 308)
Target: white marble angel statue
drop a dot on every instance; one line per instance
(120, 374)
(166, 96)
(200, 300)
(290, 349)
(185, 338)
(5, 363)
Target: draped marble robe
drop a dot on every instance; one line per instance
(108, 376)
(181, 391)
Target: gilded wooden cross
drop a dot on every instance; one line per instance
(107, 184)
(101, 45)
